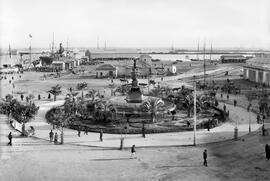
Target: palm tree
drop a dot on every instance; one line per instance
(123, 89)
(92, 94)
(153, 106)
(55, 90)
(81, 86)
(156, 92)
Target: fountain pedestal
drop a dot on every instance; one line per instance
(135, 94)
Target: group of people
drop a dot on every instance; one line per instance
(53, 137)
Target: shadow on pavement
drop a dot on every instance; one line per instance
(109, 159)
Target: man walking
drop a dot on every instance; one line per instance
(22, 97)
(133, 152)
(79, 131)
(85, 131)
(234, 102)
(51, 136)
(267, 152)
(101, 135)
(205, 158)
(55, 138)
(10, 138)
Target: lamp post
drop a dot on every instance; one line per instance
(249, 124)
(194, 125)
(236, 130)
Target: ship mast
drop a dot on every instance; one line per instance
(9, 50)
(198, 49)
(204, 66)
(211, 52)
(53, 44)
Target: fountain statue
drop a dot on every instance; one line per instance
(135, 94)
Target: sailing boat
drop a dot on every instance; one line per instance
(7, 66)
(197, 57)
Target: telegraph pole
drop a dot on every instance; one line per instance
(204, 66)
(195, 109)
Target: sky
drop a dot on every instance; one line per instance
(136, 23)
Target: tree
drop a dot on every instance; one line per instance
(250, 97)
(59, 118)
(81, 86)
(152, 106)
(156, 92)
(9, 106)
(92, 94)
(55, 90)
(123, 89)
(24, 113)
(88, 54)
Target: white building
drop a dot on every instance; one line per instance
(106, 70)
(145, 59)
(258, 69)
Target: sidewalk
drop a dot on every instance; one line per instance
(221, 133)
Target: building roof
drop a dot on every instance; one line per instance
(106, 67)
(259, 62)
(232, 56)
(145, 56)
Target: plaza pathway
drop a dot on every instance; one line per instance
(224, 132)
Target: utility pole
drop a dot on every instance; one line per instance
(53, 44)
(211, 52)
(67, 46)
(249, 123)
(204, 66)
(198, 49)
(195, 116)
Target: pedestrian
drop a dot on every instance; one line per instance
(86, 131)
(208, 125)
(188, 124)
(224, 108)
(10, 138)
(27, 99)
(101, 135)
(234, 102)
(49, 96)
(13, 85)
(12, 78)
(143, 130)
(9, 81)
(51, 135)
(205, 158)
(79, 131)
(133, 152)
(267, 151)
(228, 97)
(22, 96)
(55, 138)
(39, 97)
(258, 119)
